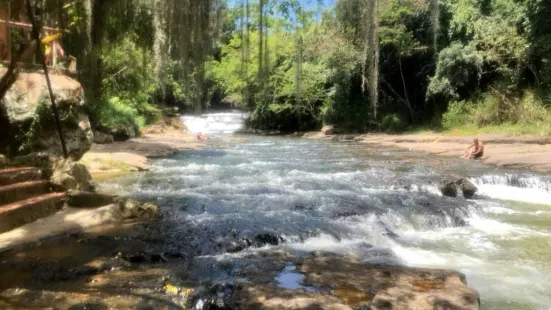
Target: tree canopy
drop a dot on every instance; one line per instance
(297, 64)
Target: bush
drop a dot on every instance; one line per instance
(393, 123)
(458, 71)
(488, 111)
(456, 115)
(117, 112)
(525, 114)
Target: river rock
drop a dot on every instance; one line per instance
(330, 281)
(217, 297)
(27, 117)
(237, 245)
(124, 133)
(103, 138)
(448, 188)
(67, 175)
(328, 130)
(132, 209)
(266, 239)
(467, 187)
(83, 199)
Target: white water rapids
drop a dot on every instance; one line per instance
(382, 205)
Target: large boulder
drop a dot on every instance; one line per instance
(328, 130)
(103, 138)
(124, 133)
(67, 175)
(467, 187)
(26, 114)
(448, 188)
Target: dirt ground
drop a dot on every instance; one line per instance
(132, 155)
(524, 152)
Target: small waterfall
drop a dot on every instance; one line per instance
(226, 122)
(524, 188)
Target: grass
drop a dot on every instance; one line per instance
(473, 129)
(507, 129)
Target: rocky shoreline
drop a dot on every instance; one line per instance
(113, 271)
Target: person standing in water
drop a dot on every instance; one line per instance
(475, 150)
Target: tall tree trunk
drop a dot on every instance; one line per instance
(99, 10)
(435, 21)
(371, 54)
(260, 38)
(247, 44)
(298, 57)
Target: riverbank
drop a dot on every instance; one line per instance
(522, 152)
(132, 155)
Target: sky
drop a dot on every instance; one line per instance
(326, 3)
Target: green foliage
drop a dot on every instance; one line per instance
(128, 87)
(488, 65)
(43, 116)
(458, 71)
(528, 113)
(393, 123)
(116, 112)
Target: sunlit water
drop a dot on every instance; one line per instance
(381, 204)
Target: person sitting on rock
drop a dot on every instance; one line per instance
(475, 150)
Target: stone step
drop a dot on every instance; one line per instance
(25, 211)
(19, 174)
(21, 191)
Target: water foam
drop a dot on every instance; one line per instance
(217, 123)
(530, 189)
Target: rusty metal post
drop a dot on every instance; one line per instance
(40, 51)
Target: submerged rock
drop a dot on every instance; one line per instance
(217, 297)
(467, 187)
(147, 257)
(267, 239)
(448, 188)
(239, 244)
(331, 281)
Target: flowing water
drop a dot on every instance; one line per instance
(380, 204)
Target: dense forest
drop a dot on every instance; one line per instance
(298, 64)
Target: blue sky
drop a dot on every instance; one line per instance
(326, 3)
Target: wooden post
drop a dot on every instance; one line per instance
(40, 52)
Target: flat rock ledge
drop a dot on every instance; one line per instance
(329, 281)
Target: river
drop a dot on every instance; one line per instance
(380, 204)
